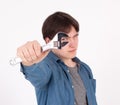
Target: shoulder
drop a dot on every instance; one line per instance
(82, 64)
(86, 68)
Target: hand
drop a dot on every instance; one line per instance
(31, 53)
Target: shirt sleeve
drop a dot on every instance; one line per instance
(38, 74)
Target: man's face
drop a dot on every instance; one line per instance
(69, 50)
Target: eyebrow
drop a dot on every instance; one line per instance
(74, 35)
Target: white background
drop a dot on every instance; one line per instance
(99, 45)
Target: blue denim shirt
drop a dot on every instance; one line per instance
(53, 84)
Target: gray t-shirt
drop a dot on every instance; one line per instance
(79, 89)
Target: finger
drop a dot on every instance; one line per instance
(26, 54)
(37, 48)
(32, 53)
(21, 55)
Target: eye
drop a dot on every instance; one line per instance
(76, 36)
(64, 39)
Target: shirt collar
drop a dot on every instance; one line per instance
(56, 58)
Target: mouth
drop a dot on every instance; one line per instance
(73, 50)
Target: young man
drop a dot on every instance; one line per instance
(58, 76)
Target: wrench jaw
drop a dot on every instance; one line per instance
(60, 36)
(56, 42)
(53, 44)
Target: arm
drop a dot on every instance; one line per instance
(38, 74)
(32, 65)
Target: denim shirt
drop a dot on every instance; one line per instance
(53, 84)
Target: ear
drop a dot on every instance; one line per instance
(47, 40)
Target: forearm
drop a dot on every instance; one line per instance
(38, 74)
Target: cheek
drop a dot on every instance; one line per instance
(76, 42)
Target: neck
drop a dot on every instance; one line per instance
(69, 63)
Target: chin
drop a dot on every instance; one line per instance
(72, 55)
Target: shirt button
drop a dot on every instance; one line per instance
(68, 71)
(72, 86)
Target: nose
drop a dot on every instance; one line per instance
(72, 42)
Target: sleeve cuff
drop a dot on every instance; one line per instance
(24, 67)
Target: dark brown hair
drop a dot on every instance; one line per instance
(58, 22)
